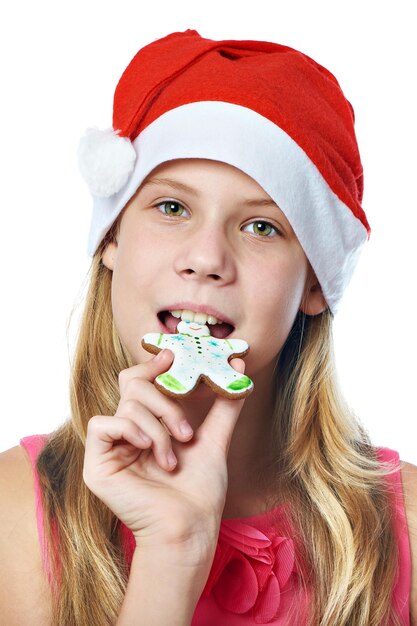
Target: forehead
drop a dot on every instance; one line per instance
(197, 171)
(198, 177)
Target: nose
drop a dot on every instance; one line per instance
(206, 255)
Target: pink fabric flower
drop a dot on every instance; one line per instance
(251, 571)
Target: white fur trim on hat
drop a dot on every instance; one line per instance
(105, 160)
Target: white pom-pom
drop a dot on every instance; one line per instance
(105, 160)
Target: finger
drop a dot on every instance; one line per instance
(147, 371)
(222, 418)
(104, 431)
(238, 365)
(145, 420)
(163, 408)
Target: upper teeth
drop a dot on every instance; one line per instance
(200, 318)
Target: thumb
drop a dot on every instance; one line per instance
(148, 370)
(222, 418)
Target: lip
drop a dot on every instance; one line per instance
(198, 308)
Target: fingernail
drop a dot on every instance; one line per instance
(159, 355)
(171, 458)
(185, 428)
(145, 437)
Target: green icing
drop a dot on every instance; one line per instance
(240, 383)
(160, 339)
(171, 383)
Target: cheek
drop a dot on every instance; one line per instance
(277, 292)
(132, 276)
(273, 311)
(134, 268)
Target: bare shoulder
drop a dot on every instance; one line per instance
(24, 590)
(409, 480)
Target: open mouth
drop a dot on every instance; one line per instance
(218, 329)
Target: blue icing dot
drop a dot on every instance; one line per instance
(212, 342)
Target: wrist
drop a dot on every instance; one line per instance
(191, 550)
(191, 545)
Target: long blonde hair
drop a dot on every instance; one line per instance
(338, 500)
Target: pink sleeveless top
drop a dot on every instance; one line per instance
(254, 579)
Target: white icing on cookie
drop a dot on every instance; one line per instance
(199, 355)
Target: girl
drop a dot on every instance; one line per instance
(228, 193)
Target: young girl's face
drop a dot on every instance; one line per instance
(202, 235)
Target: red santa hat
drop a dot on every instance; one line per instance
(267, 109)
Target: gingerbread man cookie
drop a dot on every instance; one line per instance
(199, 356)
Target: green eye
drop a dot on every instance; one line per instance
(262, 229)
(171, 208)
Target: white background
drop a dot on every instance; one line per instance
(59, 66)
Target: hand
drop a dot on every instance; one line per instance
(132, 476)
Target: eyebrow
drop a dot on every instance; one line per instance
(175, 184)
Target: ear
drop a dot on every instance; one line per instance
(313, 301)
(109, 255)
